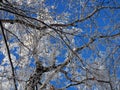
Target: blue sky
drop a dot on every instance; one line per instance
(103, 23)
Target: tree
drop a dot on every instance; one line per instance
(56, 44)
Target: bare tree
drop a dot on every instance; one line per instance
(59, 45)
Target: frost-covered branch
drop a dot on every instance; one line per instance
(9, 56)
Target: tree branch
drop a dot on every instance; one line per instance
(9, 56)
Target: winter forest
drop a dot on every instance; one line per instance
(59, 44)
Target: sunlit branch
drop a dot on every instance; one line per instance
(66, 75)
(87, 79)
(20, 22)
